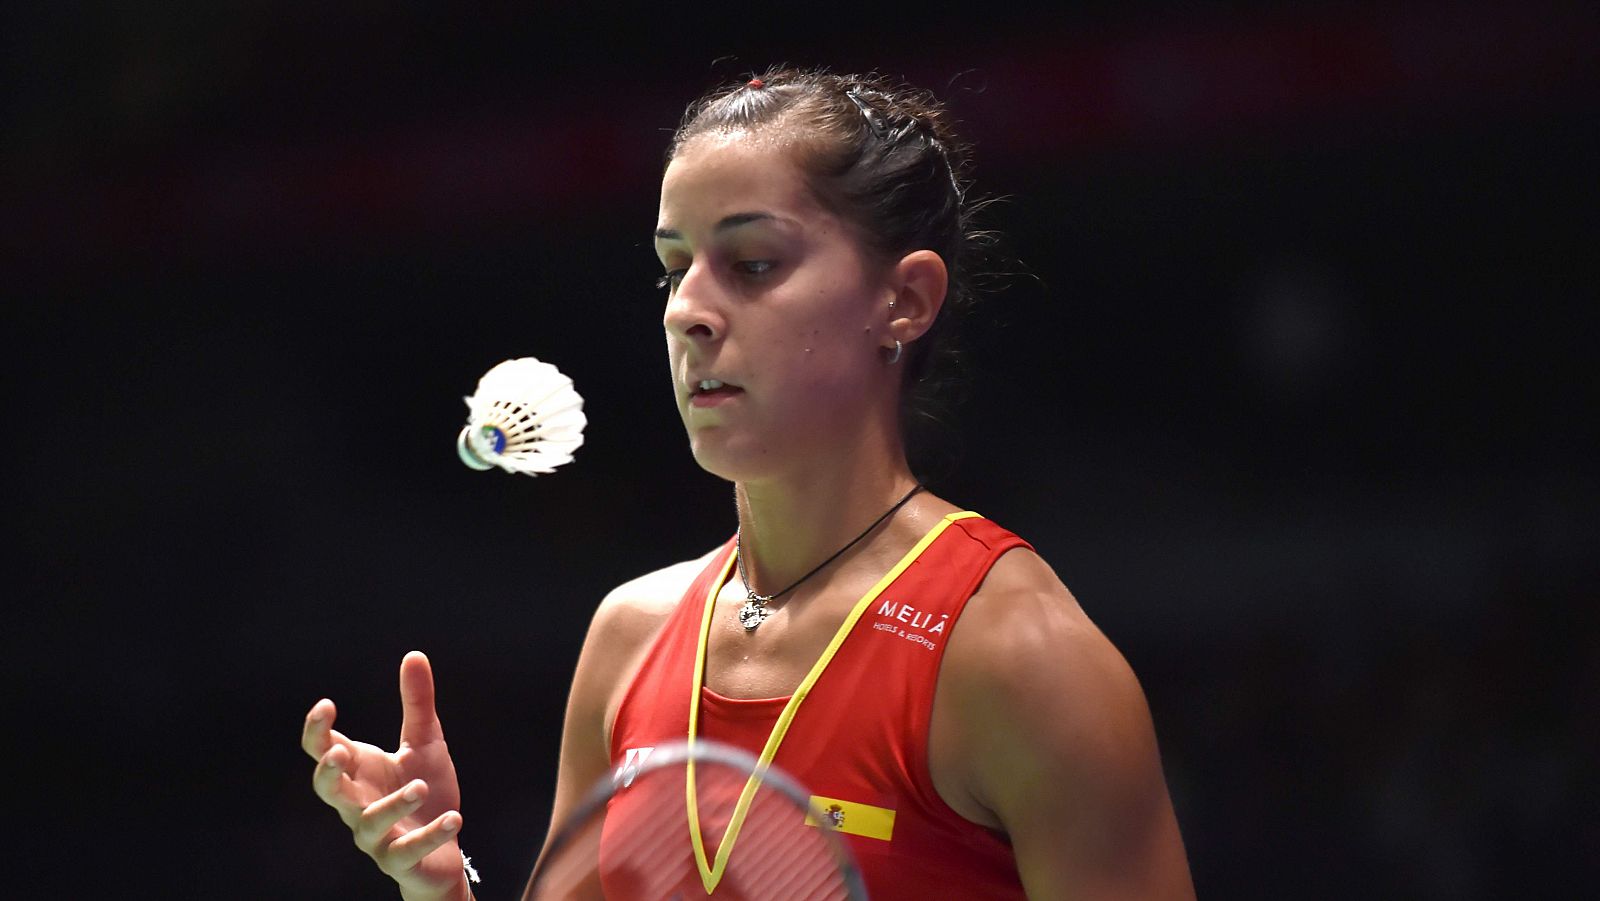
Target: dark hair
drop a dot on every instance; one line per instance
(882, 156)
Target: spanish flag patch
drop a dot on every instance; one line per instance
(852, 817)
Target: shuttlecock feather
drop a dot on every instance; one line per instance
(525, 417)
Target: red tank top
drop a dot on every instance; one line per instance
(855, 732)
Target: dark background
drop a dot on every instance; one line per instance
(1296, 390)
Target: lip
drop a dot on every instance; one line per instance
(715, 397)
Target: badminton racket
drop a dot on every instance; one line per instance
(633, 838)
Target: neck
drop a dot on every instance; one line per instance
(789, 525)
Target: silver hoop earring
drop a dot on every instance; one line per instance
(895, 356)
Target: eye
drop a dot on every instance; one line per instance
(754, 267)
(669, 281)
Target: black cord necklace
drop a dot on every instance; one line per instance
(755, 612)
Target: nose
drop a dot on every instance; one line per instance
(692, 315)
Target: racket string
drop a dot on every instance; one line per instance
(636, 845)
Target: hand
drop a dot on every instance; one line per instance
(401, 807)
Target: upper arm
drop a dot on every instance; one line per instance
(1058, 743)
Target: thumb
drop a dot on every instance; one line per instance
(419, 722)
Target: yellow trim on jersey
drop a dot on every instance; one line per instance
(711, 873)
(853, 817)
(708, 877)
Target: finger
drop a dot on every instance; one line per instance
(408, 850)
(381, 815)
(328, 781)
(419, 723)
(314, 736)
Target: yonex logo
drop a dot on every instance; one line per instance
(632, 760)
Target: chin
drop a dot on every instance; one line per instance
(734, 461)
(717, 461)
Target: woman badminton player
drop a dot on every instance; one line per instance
(967, 728)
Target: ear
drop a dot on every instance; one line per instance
(920, 281)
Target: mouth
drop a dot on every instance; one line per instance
(709, 392)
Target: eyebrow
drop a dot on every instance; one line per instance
(725, 223)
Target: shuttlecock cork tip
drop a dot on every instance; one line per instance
(470, 448)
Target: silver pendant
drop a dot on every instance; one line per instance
(752, 615)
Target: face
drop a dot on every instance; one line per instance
(775, 312)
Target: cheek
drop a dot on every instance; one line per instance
(826, 361)
(838, 341)
(838, 318)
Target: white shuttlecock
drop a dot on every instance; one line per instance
(525, 417)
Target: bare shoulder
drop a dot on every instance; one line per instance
(619, 634)
(1055, 743)
(642, 604)
(1024, 647)
(624, 625)
(1023, 621)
